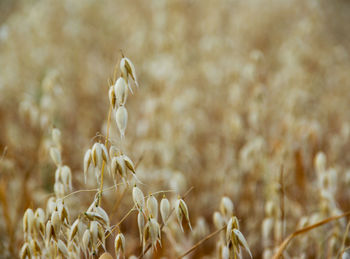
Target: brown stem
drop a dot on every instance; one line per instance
(282, 200)
(284, 244)
(103, 163)
(201, 242)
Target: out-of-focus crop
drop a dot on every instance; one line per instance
(174, 129)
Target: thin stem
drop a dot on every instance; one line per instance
(284, 244)
(116, 206)
(344, 239)
(103, 163)
(121, 221)
(89, 190)
(282, 194)
(201, 242)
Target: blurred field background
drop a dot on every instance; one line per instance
(230, 92)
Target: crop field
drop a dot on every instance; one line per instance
(216, 129)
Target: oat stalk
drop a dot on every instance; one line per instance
(194, 247)
(285, 243)
(103, 163)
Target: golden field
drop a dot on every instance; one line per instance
(238, 101)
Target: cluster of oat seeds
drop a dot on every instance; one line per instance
(51, 234)
(229, 245)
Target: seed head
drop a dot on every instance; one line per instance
(140, 223)
(164, 209)
(152, 232)
(181, 210)
(50, 231)
(56, 156)
(266, 228)
(50, 206)
(56, 221)
(35, 247)
(152, 207)
(94, 231)
(320, 162)
(129, 164)
(28, 221)
(242, 241)
(121, 91)
(127, 68)
(119, 244)
(93, 215)
(112, 96)
(25, 251)
(86, 240)
(40, 220)
(59, 189)
(138, 197)
(62, 248)
(231, 225)
(87, 162)
(73, 230)
(270, 209)
(118, 166)
(105, 155)
(58, 174)
(103, 215)
(121, 117)
(218, 220)
(96, 153)
(226, 207)
(101, 236)
(56, 137)
(66, 177)
(114, 151)
(234, 238)
(225, 252)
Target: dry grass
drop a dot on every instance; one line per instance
(229, 93)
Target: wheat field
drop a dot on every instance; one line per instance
(174, 129)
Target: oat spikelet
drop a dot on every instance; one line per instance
(62, 248)
(96, 152)
(164, 209)
(140, 224)
(242, 241)
(86, 241)
(112, 96)
(121, 91)
(152, 207)
(152, 232)
(138, 197)
(56, 136)
(127, 68)
(87, 162)
(121, 117)
(25, 251)
(56, 156)
(129, 163)
(226, 207)
(119, 245)
(181, 211)
(28, 221)
(218, 220)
